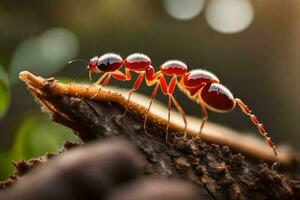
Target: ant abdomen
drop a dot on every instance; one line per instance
(109, 62)
(173, 67)
(137, 62)
(217, 97)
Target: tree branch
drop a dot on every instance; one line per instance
(221, 173)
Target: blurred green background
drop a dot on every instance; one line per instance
(251, 45)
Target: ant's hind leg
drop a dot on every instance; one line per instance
(180, 110)
(150, 104)
(204, 118)
(169, 112)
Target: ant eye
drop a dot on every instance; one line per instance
(217, 98)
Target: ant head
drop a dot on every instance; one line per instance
(92, 65)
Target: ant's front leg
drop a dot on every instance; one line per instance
(100, 80)
(106, 77)
(105, 82)
(136, 86)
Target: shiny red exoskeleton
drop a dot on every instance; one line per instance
(110, 65)
(199, 85)
(205, 88)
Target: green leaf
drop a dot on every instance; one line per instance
(6, 166)
(35, 136)
(4, 92)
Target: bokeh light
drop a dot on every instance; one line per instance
(45, 54)
(229, 16)
(184, 10)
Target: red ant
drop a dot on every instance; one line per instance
(199, 85)
(111, 63)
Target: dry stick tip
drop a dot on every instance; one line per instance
(23, 75)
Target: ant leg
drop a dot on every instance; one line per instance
(150, 104)
(180, 110)
(171, 89)
(204, 118)
(105, 82)
(163, 85)
(103, 85)
(151, 76)
(90, 76)
(136, 86)
(259, 126)
(169, 112)
(165, 89)
(121, 76)
(99, 80)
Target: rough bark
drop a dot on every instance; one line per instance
(219, 172)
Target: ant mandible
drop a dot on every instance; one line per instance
(199, 85)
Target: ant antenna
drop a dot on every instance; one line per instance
(78, 60)
(257, 123)
(75, 61)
